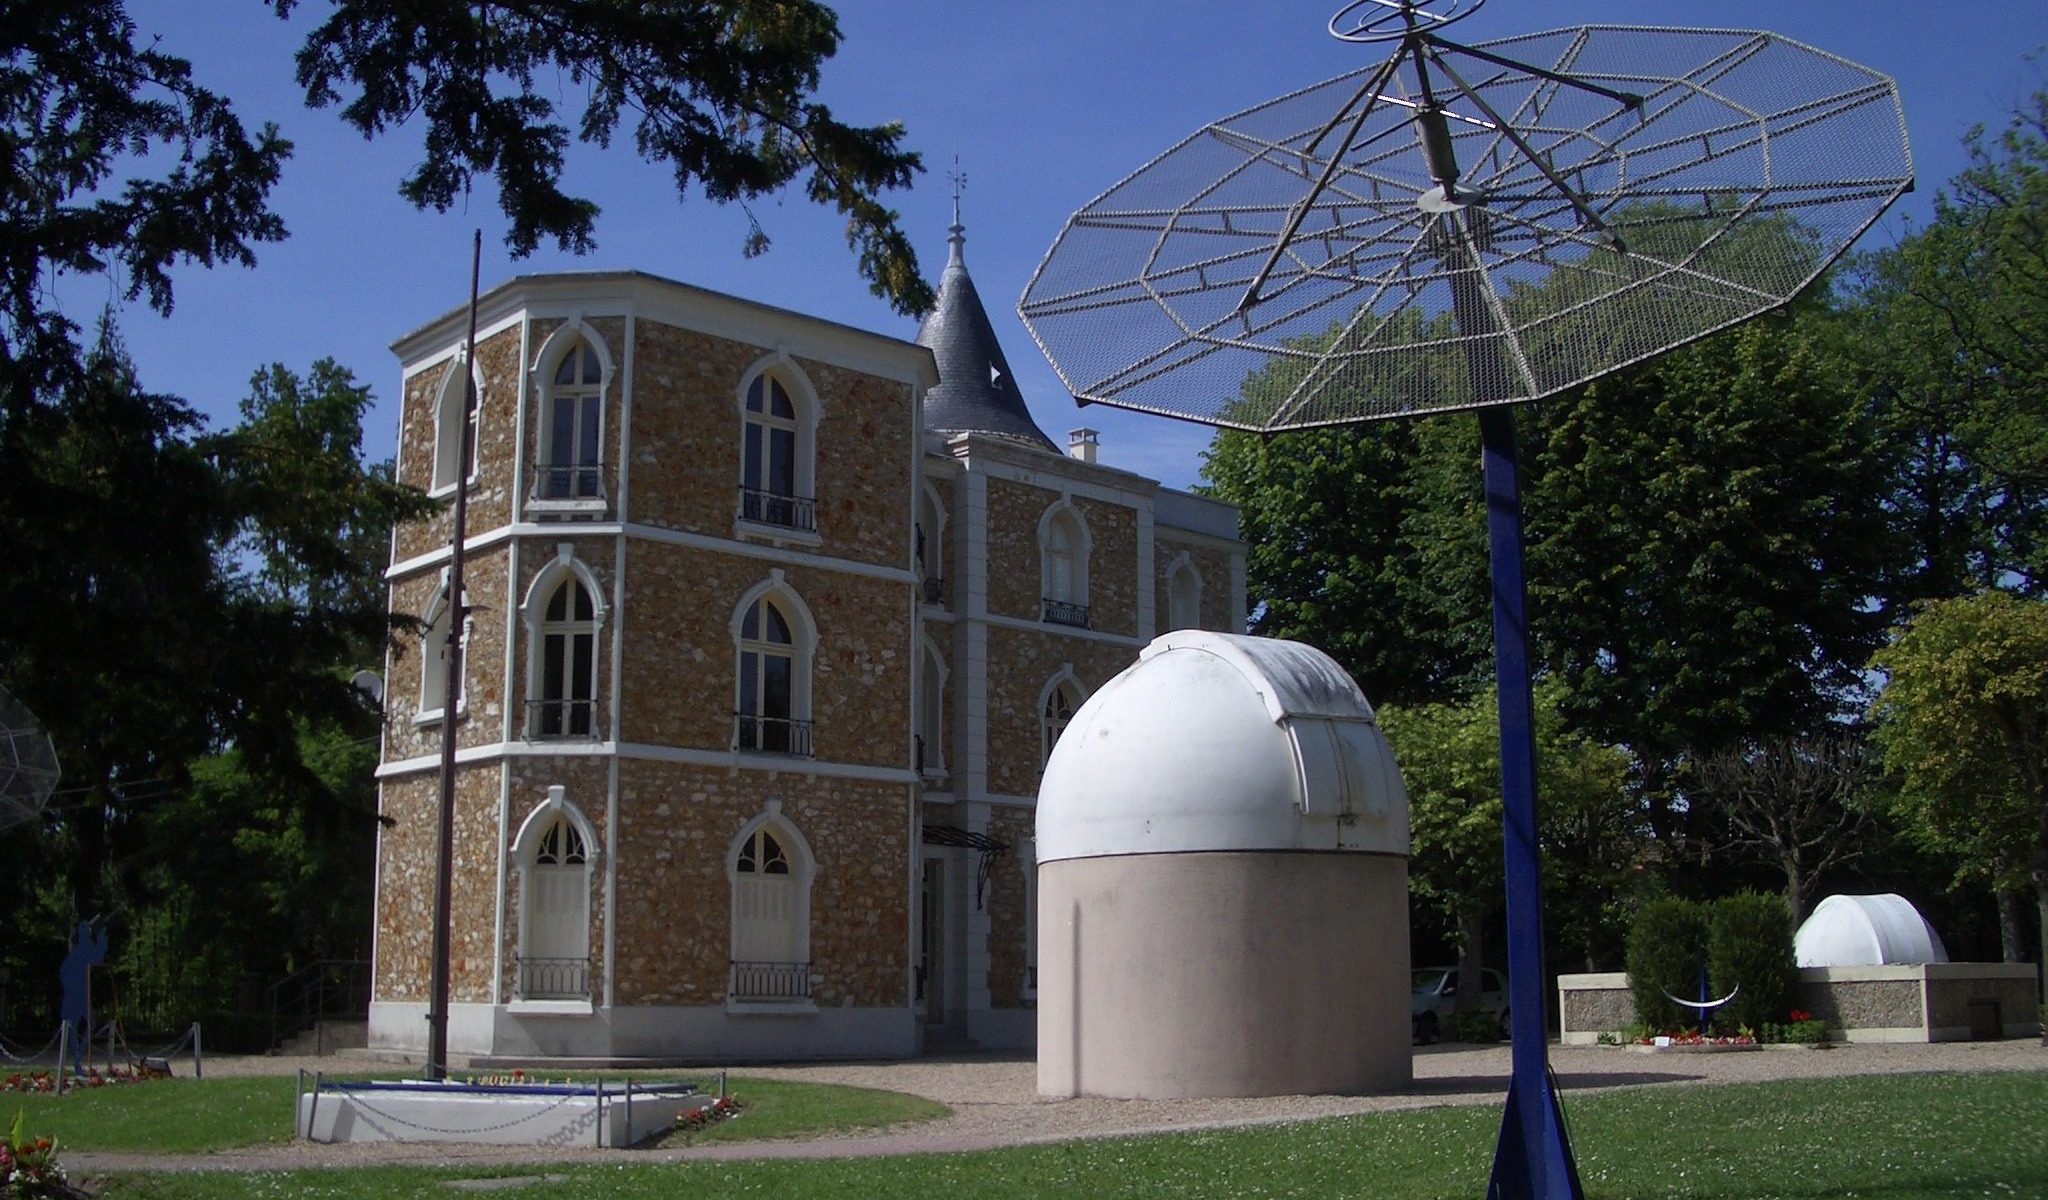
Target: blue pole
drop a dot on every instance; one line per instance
(1531, 1160)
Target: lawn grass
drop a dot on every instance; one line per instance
(176, 1116)
(779, 1108)
(1901, 1137)
(187, 1116)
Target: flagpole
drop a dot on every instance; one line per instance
(458, 617)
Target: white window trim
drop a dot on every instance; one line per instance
(931, 514)
(533, 615)
(1064, 676)
(803, 630)
(566, 337)
(933, 706)
(436, 608)
(803, 396)
(804, 870)
(1082, 545)
(524, 845)
(445, 396)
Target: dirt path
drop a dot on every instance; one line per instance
(994, 1103)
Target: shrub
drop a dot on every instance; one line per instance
(1666, 949)
(1749, 945)
(1475, 1025)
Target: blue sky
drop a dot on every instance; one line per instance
(1046, 104)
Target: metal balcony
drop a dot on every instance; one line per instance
(771, 735)
(770, 981)
(561, 720)
(1063, 612)
(553, 978)
(772, 508)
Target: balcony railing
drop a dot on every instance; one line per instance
(554, 978)
(1065, 612)
(549, 720)
(770, 981)
(771, 735)
(772, 508)
(934, 589)
(571, 482)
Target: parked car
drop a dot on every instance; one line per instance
(1436, 997)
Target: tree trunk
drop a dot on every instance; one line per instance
(1471, 944)
(1795, 890)
(2009, 936)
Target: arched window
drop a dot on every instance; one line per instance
(770, 869)
(931, 715)
(931, 546)
(572, 417)
(1184, 597)
(434, 658)
(768, 694)
(554, 859)
(564, 704)
(1060, 702)
(1063, 565)
(449, 413)
(775, 469)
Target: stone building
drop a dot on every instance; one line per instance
(770, 625)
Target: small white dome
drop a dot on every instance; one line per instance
(1866, 931)
(1215, 741)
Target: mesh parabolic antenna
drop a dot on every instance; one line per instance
(1466, 227)
(1608, 193)
(28, 764)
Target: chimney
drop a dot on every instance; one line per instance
(1082, 444)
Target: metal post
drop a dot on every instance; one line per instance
(63, 1052)
(458, 617)
(1531, 1160)
(198, 1056)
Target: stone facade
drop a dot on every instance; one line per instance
(1930, 1002)
(664, 780)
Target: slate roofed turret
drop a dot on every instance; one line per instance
(976, 392)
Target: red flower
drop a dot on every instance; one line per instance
(1799, 1014)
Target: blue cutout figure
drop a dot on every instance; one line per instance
(88, 950)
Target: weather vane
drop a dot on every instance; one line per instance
(958, 178)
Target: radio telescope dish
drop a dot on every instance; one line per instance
(28, 764)
(1601, 194)
(1468, 227)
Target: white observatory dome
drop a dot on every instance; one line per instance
(1866, 931)
(1222, 742)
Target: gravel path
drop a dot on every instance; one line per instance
(994, 1103)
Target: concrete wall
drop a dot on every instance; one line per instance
(1175, 976)
(1935, 1002)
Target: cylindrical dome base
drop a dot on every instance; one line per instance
(1216, 974)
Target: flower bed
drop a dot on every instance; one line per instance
(1692, 1039)
(722, 1109)
(46, 1081)
(28, 1167)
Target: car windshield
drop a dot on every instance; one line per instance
(1427, 981)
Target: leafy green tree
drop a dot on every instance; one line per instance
(191, 591)
(1707, 533)
(1962, 723)
(1449, 759)
(1952, 326)
(1340, 556)
(722, 93)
